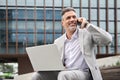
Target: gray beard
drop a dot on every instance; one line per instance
(72, 28)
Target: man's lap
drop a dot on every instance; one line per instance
(53, 75)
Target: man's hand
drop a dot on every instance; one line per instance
(83, 22)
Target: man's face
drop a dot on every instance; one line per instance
(69, 21)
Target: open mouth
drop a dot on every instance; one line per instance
(72, 24)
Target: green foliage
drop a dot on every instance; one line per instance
(7, 76)
(6, 71)
(6, 68)
(118, 63)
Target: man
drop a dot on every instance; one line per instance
(76, 46)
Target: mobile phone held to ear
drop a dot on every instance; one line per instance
(78, 23)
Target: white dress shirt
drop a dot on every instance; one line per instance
(73, 55)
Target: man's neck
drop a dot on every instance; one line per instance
(69, 34)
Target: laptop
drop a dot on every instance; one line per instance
(45, 58)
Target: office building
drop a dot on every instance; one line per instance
(25, 23)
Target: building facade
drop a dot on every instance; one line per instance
(25, 23)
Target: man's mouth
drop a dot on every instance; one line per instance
(73, 24)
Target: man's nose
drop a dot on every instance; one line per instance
(72, 18)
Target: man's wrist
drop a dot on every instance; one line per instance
(87, 24)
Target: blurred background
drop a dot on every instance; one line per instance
(25, 23)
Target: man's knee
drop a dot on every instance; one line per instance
(36, 76)
(62, 75)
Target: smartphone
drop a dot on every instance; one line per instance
(78, 23)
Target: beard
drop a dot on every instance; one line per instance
(72, 28)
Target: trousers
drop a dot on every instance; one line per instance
(61, 75)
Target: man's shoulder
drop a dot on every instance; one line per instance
(61, 38)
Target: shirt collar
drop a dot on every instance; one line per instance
(74, 36)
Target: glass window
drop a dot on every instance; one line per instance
(49, 26)
(102, 3)
(94, 22)
(30, 2)
(84, 3)
(49, 38)
(111, 14)
(40, 39)
(118, 42)
(118, 3)
(11, 2)
(30, 14)
(2, 50)
(111, 3)
(40, 14)
(2, 2)
(20, 2)
(85, 13)
(20, 14)
(49, 2)
(58, 26)
(21, 26)
(93, 14)
(118, 36)
(112, 44)
(111, 47)
(31, 26)
(39, 3)
(49, 15)
(103, 25)
(77, 12)
(111, 27)
(2, 25)
(2, 35)
(40, 26)
(103, 50)
(57, 35)
(118, 14)
(2, 14)
(119, 39)
(66, 3)
(57, 15)
(102, 14)
(76, 3)
(21, 37)
(29, 38)
(118, 24)
(58, 2)
(93, 3)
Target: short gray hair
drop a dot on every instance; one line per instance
(67, 10)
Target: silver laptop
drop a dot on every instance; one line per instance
(45, 58)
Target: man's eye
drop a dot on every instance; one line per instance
(74, 16)
(68, 18)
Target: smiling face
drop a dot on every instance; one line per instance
(69, 21)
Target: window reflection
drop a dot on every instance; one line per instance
(27, 24)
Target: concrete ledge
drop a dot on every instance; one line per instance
(108, 61)
(26, 76)
(110, 67)
(111, 73)
(103, 63)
